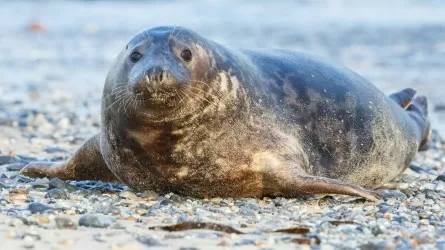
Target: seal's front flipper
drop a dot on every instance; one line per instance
(403, 97)
(307, 184)
(85, 164)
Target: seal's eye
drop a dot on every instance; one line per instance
(135, 56)
(186, 55)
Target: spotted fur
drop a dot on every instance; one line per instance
(246, 123)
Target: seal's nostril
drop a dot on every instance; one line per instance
(161, 76)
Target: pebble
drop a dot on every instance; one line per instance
(60, 184)
(149, 195)
(441, 177)
(17, 166)
(37, 207)
(128, 195)
(16, 222)
(148, 240)
(96, 220)
(6, 159)
(387, 194)
(65, 223)
(56, 193)
(54, 150)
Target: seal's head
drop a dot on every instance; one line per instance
(163, 73)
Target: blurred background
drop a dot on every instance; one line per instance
(62, 50)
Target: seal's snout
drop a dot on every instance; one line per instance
(154, 80)
(157, 75)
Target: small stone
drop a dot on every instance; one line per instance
(65, 223)
(128, 195)
(428, 186)
(66, 242)
(96, 220)
(18, 191)
(56, 193)
(141, 211)
(16, 222)
(440, 187)
(11, 235)
(58, 183)
(424, 238)
(164, 202)
(148, 240)
(441, 177)
(14, 166)
(43, 219)
(149, 195)
(7, 159)
(387, 194)
(54, 150)
(37, 207)
(38, 185)
(175, 198)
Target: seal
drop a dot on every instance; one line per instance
(184, 114)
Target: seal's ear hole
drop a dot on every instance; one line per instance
(186, 55)
(135, 56)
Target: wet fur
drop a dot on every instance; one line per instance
(253, 123)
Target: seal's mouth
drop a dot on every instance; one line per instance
(158, 99)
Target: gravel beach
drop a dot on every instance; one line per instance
(54, 59)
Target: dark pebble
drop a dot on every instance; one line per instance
(148, 240)
(31, 235)
(188, 248)
(56, 193)
(164, 202)
(65, 223)
(23, 123)
(23, 179)
(27, 159)
(96, 220)
(37, 207)
(175, 198)
(421, 168)
(60, 184)
(54, 150)
(37, 185)
(14, 166)
(6, 159)
(388, 194)
(441, 177)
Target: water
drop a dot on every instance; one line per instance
(394, 44)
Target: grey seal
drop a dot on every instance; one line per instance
(184, 114)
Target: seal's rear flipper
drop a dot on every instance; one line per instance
(85, 164)
(403, 97)
(418, 111)
(307, 184)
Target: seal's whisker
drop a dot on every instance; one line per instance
(127, 104)
(115, 101)
(115, 92)
(199, 95)
(201, 91)
(123, 102)
(170, 35)
(217, 92)
(178, 32)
